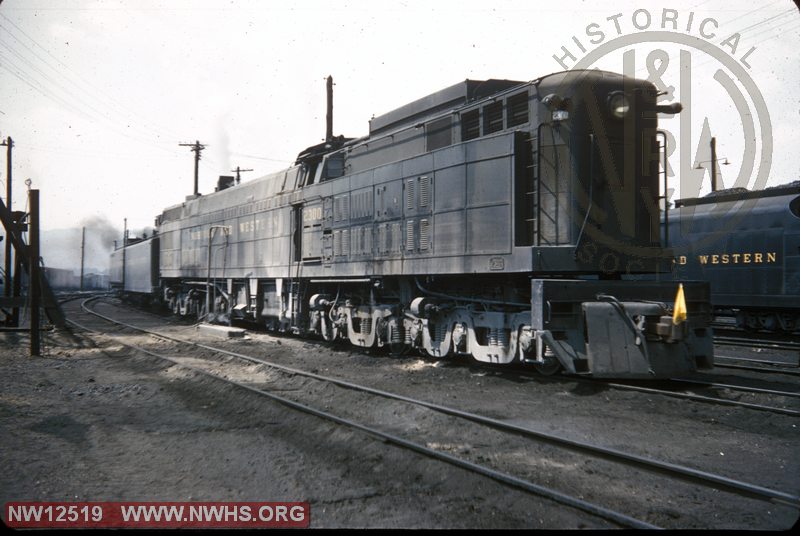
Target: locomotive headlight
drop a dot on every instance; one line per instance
(619, 105)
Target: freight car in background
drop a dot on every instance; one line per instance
(66, 279)
(134, 269)
(492, 218)
(747, 245)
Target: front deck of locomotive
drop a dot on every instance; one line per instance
(597, 224)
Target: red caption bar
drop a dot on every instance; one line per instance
(161, 515)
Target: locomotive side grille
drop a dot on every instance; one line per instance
(362, 205)
(396, 244)
(341, 208)
(470, 125)
(424, 191)
(382, 246)
(424, 231)
(361, 242)
(367, 234)
(410, 235)
(345, 238)
(517, 109)
(493, 118)
(410, 194)
(365, 241)
(337, 243)
(356, 242)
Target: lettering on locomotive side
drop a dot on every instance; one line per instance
(251, 226)
(768, 257)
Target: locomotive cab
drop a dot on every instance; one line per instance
(596, 189)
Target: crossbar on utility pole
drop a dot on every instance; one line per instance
(196, 148)
(239, 171)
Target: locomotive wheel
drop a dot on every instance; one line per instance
(549, 367)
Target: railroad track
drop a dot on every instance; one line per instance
(769, 367)
(633, 386)
(674, 471)
(712, 399)
(670, 392)
(745, 388)
(749, 342)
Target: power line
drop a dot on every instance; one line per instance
(262, 158)
(740, 30)
(39, 86)
(87, 85)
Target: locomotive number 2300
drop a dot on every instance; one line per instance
(311, 214)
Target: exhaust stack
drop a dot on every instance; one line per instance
(329, 115)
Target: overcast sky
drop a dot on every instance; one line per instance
(97, 95)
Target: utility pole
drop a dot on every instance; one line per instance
(9, 143)
(713, 164)
(196, 148)
(35, 284)
(83, 246)
(124, 250)
(238, 171)
(329, 114)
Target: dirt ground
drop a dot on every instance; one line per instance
(89, 422)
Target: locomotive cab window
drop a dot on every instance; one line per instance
(334, 166)
(311, 173)
(439, 133)
(307, 172)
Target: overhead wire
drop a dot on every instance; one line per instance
(111, 105)
(749, 27)
(87, 86)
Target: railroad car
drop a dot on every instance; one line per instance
(492, 218)
(747, 245)
(134, 268)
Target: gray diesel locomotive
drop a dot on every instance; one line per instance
(492, 218)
